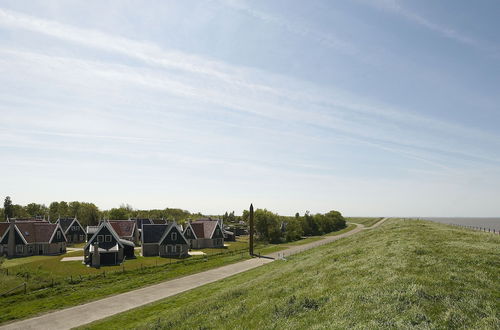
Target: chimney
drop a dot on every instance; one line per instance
(11, 243)
(96, 258)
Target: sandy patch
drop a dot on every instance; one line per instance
(197, 253)
(72, 259)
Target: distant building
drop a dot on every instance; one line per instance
(164, 240)
(204, 233)
(72, 229)
(105, 247)
(28, 238)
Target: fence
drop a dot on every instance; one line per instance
(478, 228)
(76, 279)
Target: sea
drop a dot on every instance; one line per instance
(491, 223)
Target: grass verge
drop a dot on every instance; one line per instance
(404, 274)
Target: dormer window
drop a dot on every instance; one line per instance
(174, 236)
(58, 234)
(188, 232)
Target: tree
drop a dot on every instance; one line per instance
(7, 208)
(293, 229)
(34, 209)
(119, 214)
(54, 211)
(267, 225)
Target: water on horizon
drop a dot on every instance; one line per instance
(492, 223)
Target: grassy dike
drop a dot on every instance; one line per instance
(403, 274)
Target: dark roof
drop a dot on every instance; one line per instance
(158, 221)
(204, 228)
(124, 228)
(36, 232)
(139, 222)
(153, 233)
(28, 220)
(3, 228)
(65, 223)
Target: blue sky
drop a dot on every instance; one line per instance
(368, 107)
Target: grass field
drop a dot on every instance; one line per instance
(403, 274)
(367, 221)
(75, 283)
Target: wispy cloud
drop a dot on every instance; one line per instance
(396, 7)
(242, 90)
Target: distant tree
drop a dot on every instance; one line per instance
(119, 214)
(245, 215)
(7, 208)
(293, 229)
(34, 209)
(54, 211)
(268, 225)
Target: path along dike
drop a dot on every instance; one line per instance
(80, 315)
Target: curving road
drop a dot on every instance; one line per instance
(80, 315)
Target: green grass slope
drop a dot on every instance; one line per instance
(403, 274)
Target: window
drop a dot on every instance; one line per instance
(174, 236)
(81, 238)
(188, 232)
(19, 249)
(100, 238)
(108, 238)
(58, 234)
(30, 249)
(169, 248)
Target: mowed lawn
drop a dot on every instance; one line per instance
(403, 274)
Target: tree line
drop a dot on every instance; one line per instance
(88, 213)
(273, 228)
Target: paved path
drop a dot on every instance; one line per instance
(72, 259)
(99, 309)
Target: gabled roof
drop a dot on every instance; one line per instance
(158, 221)
(153, 233)
(169, 228)
(4, 228)
(192, 230)
(111, 230)
(124, 228)
(37, 232)
(204, 228)
(65, 223)
(139, 222)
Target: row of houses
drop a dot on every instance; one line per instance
(111, 241)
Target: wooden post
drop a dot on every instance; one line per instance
(251, 231)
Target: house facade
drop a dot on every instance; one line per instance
(105, 247)
(28, 238)
(164, 240)
(204, 233)
(72, 229)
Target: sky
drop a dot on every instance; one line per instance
(372, 108)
